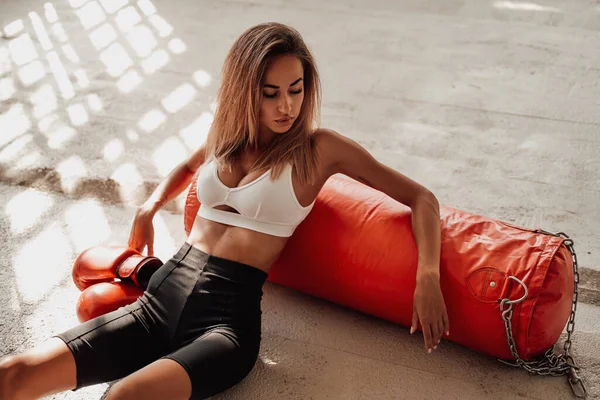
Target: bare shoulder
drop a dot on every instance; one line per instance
(340, 154)
(327, 139)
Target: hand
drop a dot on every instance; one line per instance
(142, 232)
(429, 310)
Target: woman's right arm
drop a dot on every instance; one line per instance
(142, 231)
(174, 183)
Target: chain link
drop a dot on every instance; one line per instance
(550, 364)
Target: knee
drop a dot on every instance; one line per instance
(12, 377)
(122, 391)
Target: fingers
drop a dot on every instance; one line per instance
(426, 329)
(415, 322)
(436, 333)
(441, 330)
(432, 334)
(137, 244)
(134, 239)
(131, 243)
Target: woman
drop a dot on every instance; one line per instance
(196, 330)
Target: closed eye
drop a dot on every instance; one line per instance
(272, 96)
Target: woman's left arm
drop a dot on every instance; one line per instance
(343, 155)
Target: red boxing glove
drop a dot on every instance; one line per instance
(105, 263)
(105, 297)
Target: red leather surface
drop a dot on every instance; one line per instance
(99, 264)
(357, 249)
(105, 297)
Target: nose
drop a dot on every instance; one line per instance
(285, 104)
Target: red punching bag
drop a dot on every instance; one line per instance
(357, 249)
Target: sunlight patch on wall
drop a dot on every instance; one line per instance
(44, 101)
(5, 63)
(77, 114)
(129, 81)
(94, 102)
(103, 36)
(72, 171)
(13, 124)
(22, 50)
(113, 150)
(70, 53)
(179, 98)
(110, 6)
(132, 135)
(147, 7)
(25, 209)
(46, 58)
(177, 46)
(50, 13)
(512, 5)
(142, 40)
(27, 160)
(168, 155)
(47, 257)
(157, 60)
(130, 181)
(46, 123)
(82, 79)
(40, 31)
(59, 135)
(127, 174)
(87, 224)
(60, 75)
(15, 148)
(127, 18)
(163, 27)
(151, 120)
(116, 59)
(195, 134)
(14, 27)
(59, 32)
(91, 15)
(7, 88)
(32, 73)
(202, 78)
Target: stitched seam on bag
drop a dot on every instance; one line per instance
(528, 319)
(490, 270)
(485, 285)
(551, 257)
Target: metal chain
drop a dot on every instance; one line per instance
(550, 364)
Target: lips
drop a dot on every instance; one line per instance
(283, 120)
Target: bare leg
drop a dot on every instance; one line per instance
(163, 379)
(43, 370)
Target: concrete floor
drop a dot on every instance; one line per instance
(490, 104)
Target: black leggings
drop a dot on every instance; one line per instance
(198, 310)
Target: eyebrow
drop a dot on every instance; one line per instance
(277, 87)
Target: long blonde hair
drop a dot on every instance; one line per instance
(235, 125)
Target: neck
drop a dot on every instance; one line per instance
(265, 136)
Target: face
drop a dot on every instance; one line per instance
(282, 94)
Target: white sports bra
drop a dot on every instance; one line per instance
(264, 205)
